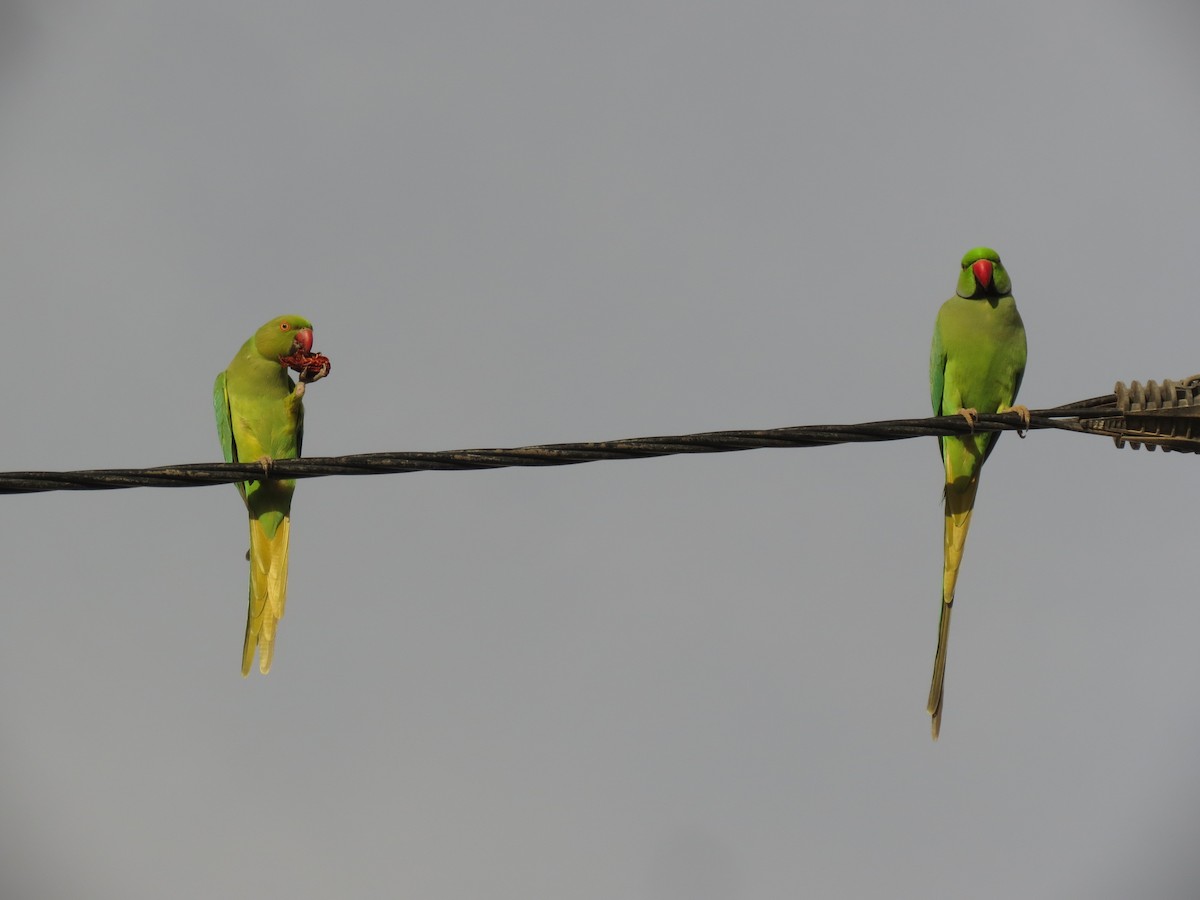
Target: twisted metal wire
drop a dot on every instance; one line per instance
(1065, 418)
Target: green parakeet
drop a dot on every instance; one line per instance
(975, 367)
(260, 418)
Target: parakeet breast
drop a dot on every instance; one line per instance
(984, 343)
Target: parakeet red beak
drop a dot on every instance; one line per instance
(303, 340)
(981, 267)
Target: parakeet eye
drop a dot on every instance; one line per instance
(284, 325)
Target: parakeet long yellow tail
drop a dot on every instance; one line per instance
(959, 504)
(268, 592)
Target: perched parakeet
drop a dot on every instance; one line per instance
(260, 418)
(975, 367)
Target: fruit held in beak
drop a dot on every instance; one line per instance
(311, 366)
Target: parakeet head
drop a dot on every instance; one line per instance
(284, 336)
(983, 275)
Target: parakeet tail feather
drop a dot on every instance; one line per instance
(939, 670)
(959, 504)
(268, 592)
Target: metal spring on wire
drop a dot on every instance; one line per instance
(1163, 415)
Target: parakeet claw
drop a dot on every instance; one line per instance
(1023, 412)
(971, 415)
(265, 463)
(316, 370)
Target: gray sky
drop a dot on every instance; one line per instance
(691, 678)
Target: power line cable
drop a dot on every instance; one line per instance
(1070, 417)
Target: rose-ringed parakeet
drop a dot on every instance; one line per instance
(260, 418)
(975, 367)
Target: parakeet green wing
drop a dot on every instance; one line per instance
(224, 426)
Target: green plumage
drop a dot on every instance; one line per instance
(975, 367)
(260, 418)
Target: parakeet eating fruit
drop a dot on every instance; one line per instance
(260, 418)
(975, 367)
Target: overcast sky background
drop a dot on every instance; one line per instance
(689, 678)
